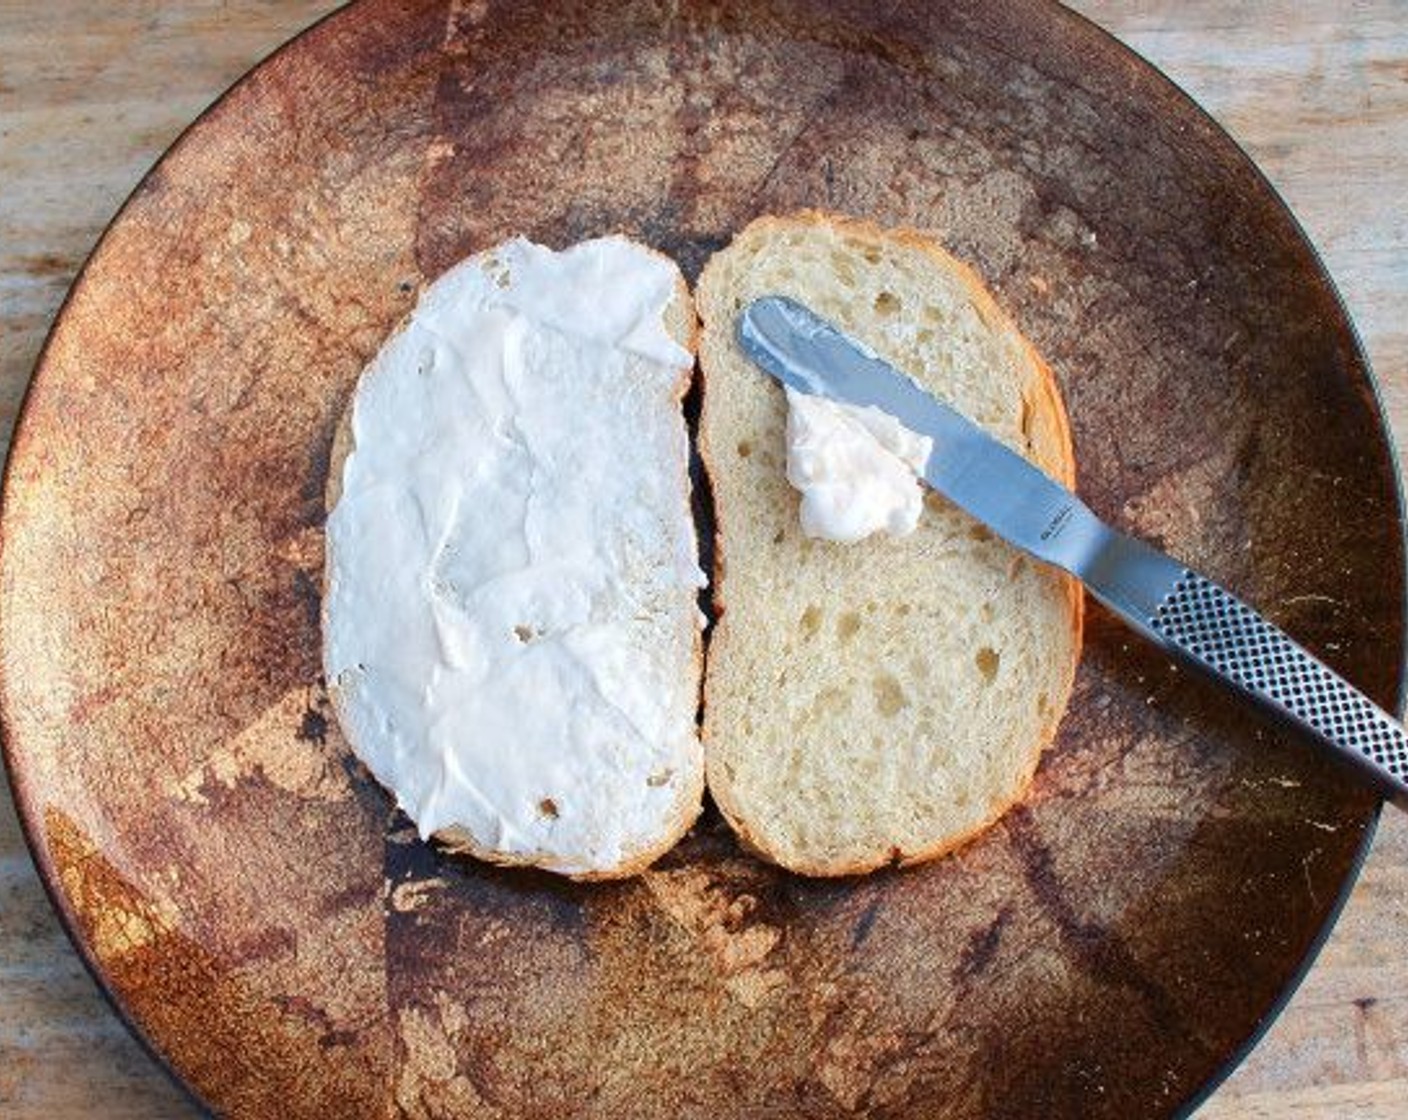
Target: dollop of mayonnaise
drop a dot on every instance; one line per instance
(510, 623)
(856, 468)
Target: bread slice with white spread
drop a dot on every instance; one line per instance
(879, 701)
(511, 636)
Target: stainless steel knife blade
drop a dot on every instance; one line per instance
(1167, 602)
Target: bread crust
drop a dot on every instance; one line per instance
(1052, 448)
(682, 323)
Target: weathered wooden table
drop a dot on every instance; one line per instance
(1317, 90)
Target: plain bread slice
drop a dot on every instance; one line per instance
(883, 701)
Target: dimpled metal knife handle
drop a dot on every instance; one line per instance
(1220, 632)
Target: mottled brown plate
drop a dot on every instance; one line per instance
(249, 898)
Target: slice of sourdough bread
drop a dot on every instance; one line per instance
(511, 637)
(882, 701)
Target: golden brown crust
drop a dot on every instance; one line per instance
(456, 839)
(683, 325)
(343, 443)
(1052, 448)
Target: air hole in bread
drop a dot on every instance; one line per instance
(980, 533)
(744, 449)
(500, 272)
(659, 778)
(810, 622)
(779, 536)
(847, 625)
(828, 704)
(987, 660)
(902, 610)
(887, 303)
(547, 807)
(1043, 703)
(890, 699)
(524, 633)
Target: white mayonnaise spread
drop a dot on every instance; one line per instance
(509, 619)
(857, 469)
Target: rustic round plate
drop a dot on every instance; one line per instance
(248, 896)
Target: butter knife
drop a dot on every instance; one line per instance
(1185, 613)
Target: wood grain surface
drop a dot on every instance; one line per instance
(1316, 90)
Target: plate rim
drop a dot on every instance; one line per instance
(1272, 1011)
